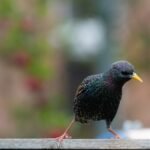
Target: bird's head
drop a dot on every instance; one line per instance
(123, 71)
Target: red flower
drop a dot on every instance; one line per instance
(54, 133)
(33, 84)
(21, 58)
(27, 24)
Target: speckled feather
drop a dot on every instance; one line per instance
(98, 96)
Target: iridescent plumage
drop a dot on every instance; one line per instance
(98, 96)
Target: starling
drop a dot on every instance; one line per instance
(98, 96)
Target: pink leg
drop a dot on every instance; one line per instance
(65, 135)
(117, 136)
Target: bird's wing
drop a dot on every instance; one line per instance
(86, 98)
(83, 88)
(80, 90)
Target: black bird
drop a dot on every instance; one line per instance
(98, 96)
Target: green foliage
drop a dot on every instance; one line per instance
(28, 48)
(42, 6)
(6, 8)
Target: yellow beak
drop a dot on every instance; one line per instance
(135, 76)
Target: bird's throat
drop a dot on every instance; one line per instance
(113, 82)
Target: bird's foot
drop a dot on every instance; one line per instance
(63, 136)
(117, 136)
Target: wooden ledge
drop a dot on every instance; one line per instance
(74, 144)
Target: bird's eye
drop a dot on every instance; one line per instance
(125, 72)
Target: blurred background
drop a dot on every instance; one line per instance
(48, 46)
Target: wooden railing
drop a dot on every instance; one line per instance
(74, 144)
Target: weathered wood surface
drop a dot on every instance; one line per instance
(74, 144)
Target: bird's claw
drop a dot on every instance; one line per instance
(117, 137)
(64, 136)
(67, 136)
(61, 138)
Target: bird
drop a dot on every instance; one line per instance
(98, 96)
